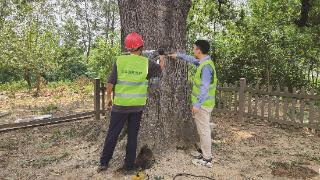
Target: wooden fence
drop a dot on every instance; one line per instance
(299, 107)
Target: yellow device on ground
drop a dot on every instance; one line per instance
(139, 176)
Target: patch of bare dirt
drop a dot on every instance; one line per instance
(242, 150)
(292, 171)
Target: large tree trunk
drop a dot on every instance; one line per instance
(167, 119)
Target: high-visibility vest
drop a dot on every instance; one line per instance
(132, 85)
(197, 82)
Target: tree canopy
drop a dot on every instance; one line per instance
(266, 41)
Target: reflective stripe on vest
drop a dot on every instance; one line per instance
(209, 101)
(206, 98)
(130, 95)
(132, 85)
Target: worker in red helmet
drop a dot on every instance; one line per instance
(133, 41)
(127, 95)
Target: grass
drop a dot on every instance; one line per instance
(44, 160)
(275, 165)
(316, 159)
(264, 152)
(82, 85)
(78, 86)
(70, 133)
(294, 169)
(9, 144)
(58, 135)
(14, 86)
(309, 157)
(215, 145)
(45, 146)
(48, 109)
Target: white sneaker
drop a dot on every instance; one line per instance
(196, 154)
(202, 162)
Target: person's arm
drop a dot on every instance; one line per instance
(155, 69)
(185, 57)
(109, 94)
(150, 54)
(206, 78)
(162, 62)
(110, 84)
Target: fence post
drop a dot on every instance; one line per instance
(97, 98)
(242, 99)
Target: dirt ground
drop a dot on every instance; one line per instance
(248, 150)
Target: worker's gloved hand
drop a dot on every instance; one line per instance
(161, 51)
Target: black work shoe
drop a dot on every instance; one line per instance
(128, 171)
(102, 168)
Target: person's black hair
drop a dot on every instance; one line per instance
(137, 49)
(203, 45)
(140, 48)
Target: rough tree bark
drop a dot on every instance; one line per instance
(167, 119)
(27, 78)
(89, 33)
(304, 15)
(107, 21)
(112, 26)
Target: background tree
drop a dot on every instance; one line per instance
(260, 40)
(28, 43)
(266, 41)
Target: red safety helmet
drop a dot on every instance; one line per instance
(133, 41)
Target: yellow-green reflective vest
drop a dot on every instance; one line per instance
(197, 82)
(132, 85)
